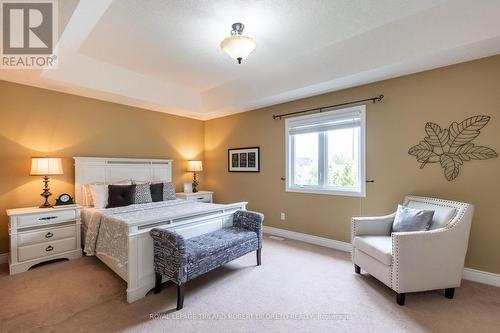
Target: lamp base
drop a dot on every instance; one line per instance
(195, 183)
(46, 193)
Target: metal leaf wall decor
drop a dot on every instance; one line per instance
(452, 146)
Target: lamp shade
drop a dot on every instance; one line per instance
(46, 166)
(195, 166)
(238, 47)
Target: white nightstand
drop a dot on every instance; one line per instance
(200, 196)
(41, 234)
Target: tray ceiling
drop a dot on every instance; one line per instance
(164, 55)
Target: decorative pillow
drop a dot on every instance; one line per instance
(120, 195)
(169, 191)
(156, 192)
(99, 193)
(412, 219)
(442, 215)
(142, 194)
(123, 182)
(87, 196)
(96, 194)
(139, 182)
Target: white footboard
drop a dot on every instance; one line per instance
(140, 272)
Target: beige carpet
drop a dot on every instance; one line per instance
(299, 288)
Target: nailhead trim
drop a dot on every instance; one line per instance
(395, 263)
(353, 233)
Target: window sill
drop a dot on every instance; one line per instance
(346, 193)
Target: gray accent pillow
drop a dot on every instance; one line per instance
(169, 191)
(142, 194)
(412, 219)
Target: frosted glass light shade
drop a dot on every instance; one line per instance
(46, 166)
(238, 47)
(195, 166)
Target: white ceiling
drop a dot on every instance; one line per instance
(164, 55)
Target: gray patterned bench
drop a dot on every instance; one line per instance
(181, 260)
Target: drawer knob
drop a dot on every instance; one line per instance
(49, 248)
(47, 218)
(49, 235)
(200, 198)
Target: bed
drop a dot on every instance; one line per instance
(119, 237)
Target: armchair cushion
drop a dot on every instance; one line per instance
(378, 247)
(377, 225)
(412, 219)
(442, 214)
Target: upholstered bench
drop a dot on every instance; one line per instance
(181, 260)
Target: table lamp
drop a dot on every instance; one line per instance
(194, 166)
(46, 166)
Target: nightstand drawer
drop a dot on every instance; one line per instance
(45, 235)
(48, 217)
(201, 198)
(46, 249)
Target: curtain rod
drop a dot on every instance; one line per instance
(373, 99)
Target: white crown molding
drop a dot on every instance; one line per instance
(470, 274)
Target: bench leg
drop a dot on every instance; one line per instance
(449, 292)
(400, 298)
(180, 296)
(157, 283)
(259, 257)
(357, 269)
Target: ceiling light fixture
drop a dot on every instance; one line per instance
(238, 46)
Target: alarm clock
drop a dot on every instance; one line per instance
(64, 199)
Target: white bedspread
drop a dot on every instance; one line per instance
(106, 230)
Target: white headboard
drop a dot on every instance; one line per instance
(109, 170)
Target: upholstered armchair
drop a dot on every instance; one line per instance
(415, 261)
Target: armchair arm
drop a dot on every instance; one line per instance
(377, 225)
(170, 258)
(426, 260)
(249, 220)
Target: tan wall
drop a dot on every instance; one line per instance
(37, 122)
(442, 96)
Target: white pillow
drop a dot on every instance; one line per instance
(442, 215)
(140, 182)
(99, 193)
(123, 182)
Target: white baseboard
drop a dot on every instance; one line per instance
(4, 258)
(326, 242)
(469, 273)
(481, 277)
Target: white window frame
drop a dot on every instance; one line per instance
(322, 160)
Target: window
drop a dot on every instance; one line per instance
(325, 152)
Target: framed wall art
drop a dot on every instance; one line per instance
(244, 159)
